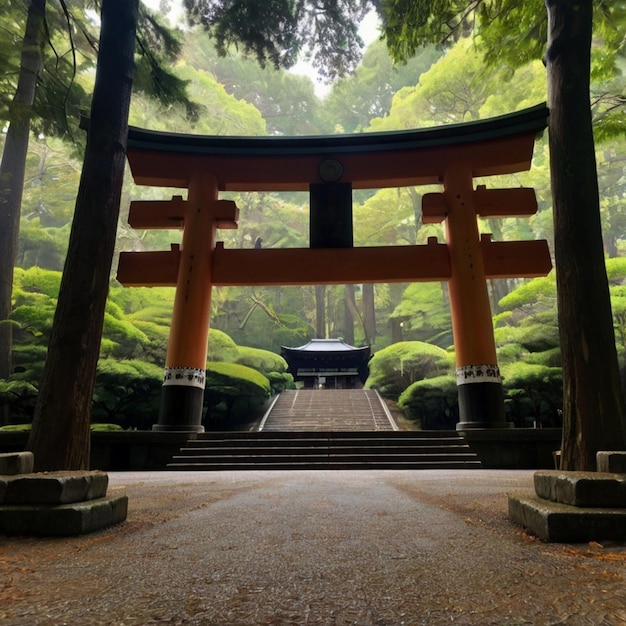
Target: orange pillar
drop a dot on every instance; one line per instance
(185, 365)
(481, 401)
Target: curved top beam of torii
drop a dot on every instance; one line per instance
(498, 145)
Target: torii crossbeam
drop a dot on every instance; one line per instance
(329, 167)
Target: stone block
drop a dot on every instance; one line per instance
(77, 518)
(62, 487)
(608, 461)
(561, 523)
(12, 463)
(584, 489)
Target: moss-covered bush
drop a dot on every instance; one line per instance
(533, 394)
(20, 397)
(127, 393)
(395, 367)
(234, 394)
(221, 347)
(432, 402)
(271, 365)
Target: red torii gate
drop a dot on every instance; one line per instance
(329, 167)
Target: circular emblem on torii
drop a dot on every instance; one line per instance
(330, 170)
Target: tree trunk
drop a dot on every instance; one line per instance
(60, 437)
(13, 167)
(593, 405)
(320, 311)
(349, 313)
(369, 313)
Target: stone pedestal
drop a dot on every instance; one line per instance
(576, 507)
(55, 503)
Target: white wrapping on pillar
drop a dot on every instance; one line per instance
(478, 374)
(184, 376)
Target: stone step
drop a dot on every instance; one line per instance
(336, 409)
(61, 487)
(582, 489)
(294, 464)
(563, 523)
(320, 434)
(307, 456)
(76, 518)
(298, 449)
(12, 463)
(326, 450)
(326, 429)
(611, 461)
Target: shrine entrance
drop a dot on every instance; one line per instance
(329, 168)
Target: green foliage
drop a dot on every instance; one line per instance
(534, 394)
(370, 90)
(221, 347)
(395, 367)
(221, 377)
(278, 32)
(530, 335)
(280, 381)
(20, 396)
(432, 402)
(37, 280)
(127, 393)
(15, 428)
(234, 395)
(41, 246)
(536, 293)
(123, 338)
(286, 102)
(260, 321)
(263, 361)
(105, 428)
(425, 314)
(271, 365)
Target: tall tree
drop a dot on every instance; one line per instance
(13, 166)
(48, 97)
(60, 434)
(593, 404)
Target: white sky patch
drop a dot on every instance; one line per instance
(369, 30)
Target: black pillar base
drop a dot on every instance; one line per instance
(181, 409)
(481, 405)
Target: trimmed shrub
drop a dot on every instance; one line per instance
(432, 402)
(221, 347)
(395, 367)
(234, 395)
(20, 396)
(271, 365)
(533, 394)
(127, 393)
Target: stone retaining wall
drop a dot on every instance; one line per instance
(526, 448)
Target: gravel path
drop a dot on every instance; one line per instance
(313, 547)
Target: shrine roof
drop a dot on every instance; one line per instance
(326, 345)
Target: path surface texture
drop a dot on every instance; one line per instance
(313, 547)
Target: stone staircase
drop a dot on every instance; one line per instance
(318, 429)
(325, 450)
(328, 410)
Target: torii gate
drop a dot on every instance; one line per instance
(329, 167)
